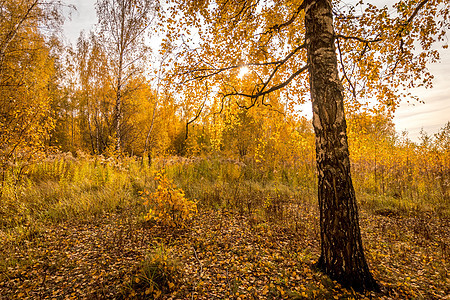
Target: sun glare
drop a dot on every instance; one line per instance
(243, 71)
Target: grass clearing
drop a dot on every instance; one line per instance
(76, 229)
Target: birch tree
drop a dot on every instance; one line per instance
(123, 28)
(27, 78)
(324, 51)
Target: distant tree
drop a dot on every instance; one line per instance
(27, 77)
(123, 28)
(442, 157)
(94, 93)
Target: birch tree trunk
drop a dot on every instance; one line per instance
(342, 257)
(124, 25)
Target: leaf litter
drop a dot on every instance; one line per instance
(221, 255)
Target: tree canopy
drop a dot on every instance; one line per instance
(381, 50)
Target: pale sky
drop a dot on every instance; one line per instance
(431, 116)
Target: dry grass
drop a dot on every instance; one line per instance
(74, 228)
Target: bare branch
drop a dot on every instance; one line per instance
(197, 114)
(352, 87)
(215, 71)
(199, 111)
(358, 39)
(272, 89)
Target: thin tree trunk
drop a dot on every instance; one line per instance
(375, 170)
(97, 131)
(119, 105)
(90, 134)
(118, 117)
(120, 79)
(342, 257)
(73, 128)
(147, 139)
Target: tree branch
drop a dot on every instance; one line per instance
(278, 27)
(358, 39)
(197, 114)
(214, 71)
(415, 12)
(272, 89)
(353, 90)
(404, 25)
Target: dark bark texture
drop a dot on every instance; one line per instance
(342, 256)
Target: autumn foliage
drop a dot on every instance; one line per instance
(168, 204)
(189, 170)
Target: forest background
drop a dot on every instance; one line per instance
(105, 126)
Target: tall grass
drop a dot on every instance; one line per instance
(62, 188)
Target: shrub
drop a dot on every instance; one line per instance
(168, 204)
(157, 274)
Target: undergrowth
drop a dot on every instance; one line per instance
(63, 187)
(159, 272)
(193, 203)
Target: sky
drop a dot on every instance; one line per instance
(430, 116)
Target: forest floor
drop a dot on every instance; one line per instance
(221, 255)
